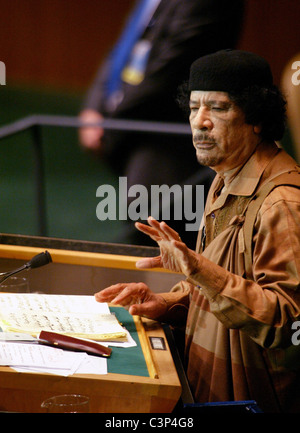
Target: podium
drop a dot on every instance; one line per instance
(84, 268)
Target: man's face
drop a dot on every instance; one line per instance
(221, 137)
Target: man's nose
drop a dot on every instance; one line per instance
(202, 120)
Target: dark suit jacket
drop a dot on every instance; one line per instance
(182, 31)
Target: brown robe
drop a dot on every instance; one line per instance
(238, 329)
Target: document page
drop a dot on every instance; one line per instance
(78, 316)
(35, 355)
(52, 303)
(27, 357)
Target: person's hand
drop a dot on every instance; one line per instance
(174, 254)
(90, 136)
(137, 298)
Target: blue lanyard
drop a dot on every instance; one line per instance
(134, 28)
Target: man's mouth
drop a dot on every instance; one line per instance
(203, 141)
(204, 144)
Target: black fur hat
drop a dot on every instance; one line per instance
(230, 71)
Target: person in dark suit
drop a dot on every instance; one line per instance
(139, 81)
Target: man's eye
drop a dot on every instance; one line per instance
(216, 108)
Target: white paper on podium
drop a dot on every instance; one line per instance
(75, 315)
(40, 358)
(52, 303)
(23, 353)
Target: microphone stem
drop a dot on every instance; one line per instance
(5, 275)
(37, 261)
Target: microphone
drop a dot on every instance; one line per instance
(40, 259)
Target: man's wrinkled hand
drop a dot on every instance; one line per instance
(174, 254)
(137, 298)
